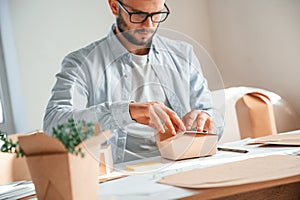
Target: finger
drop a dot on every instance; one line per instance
(155, 121)
(169, 125)
(203, 121)
(165, 118)
(190, 119)
(176, 121)
(209, 125)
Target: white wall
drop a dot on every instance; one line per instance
(190, 21)
(254, 43)
(44, 32)
(191, 18)
(257, 43)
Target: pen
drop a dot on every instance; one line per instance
(232, 150)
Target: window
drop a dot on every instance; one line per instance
(1, 113)
(6, 119)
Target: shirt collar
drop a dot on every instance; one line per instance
(117, 49)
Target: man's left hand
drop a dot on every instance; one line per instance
(199, 120)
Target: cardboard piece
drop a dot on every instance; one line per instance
(93, 145)
(186, 145)
(253, 170)
(111, 176)
(290, 139)
(58, 174)
(144, 166)
(255, 115)
(13, 168)
(106, 160)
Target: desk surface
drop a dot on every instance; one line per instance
(143, 185)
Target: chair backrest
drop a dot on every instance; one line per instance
(286, 118)
(255, 115)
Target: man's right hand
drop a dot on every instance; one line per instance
(156, 115)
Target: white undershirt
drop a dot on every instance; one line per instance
(145, 84)
(145, 88)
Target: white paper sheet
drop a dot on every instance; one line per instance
(16, 190)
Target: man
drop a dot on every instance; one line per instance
(135, 81)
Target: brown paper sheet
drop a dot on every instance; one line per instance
(247, 171)
(292, 139)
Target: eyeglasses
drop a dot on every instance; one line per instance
(140, 17)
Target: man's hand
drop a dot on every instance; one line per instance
(199, 120)
(156, 115)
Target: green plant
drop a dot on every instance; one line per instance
(73, 133)
(9, 146)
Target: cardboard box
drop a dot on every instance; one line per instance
(186, 145)
(58, 174)
(255, 115)
(13, 168)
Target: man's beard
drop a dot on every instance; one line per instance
(129, 36)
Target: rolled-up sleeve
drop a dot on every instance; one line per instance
(71, 95)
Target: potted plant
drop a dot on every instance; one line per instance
(60, 166)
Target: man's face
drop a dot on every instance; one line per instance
(138, 34)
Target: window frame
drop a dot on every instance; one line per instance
(8, 124)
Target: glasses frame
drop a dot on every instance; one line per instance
(145, 13)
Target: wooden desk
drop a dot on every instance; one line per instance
(145, 186)
(285, 189)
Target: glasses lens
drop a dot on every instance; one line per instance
(140, 17)
(159, 17)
